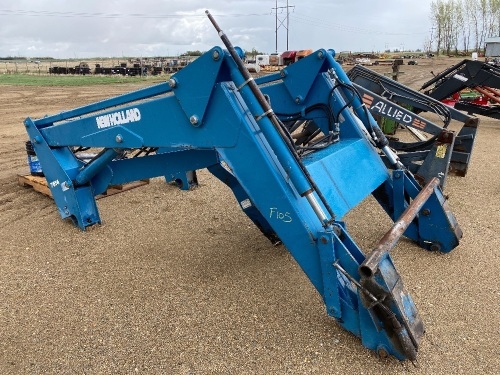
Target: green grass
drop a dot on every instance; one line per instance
(70, 80)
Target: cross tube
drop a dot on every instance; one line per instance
(389, 240)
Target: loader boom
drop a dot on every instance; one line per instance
(468, 74)
(208, 116)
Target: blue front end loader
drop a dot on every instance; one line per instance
(295, 181)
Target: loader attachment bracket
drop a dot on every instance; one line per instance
(377, 309)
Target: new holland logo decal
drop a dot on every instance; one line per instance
(118, 118)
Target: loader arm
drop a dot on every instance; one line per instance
(208, 116)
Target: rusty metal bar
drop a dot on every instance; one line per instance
(493, 90)
(486, 91)
(389, 240)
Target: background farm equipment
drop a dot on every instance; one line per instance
(470, 86)
(122, 69)
(434, 149)
(134, 67)
(175, 65)
(82, 68)
(288, 57)
(298, 157)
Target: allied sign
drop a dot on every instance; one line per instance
(386, 109)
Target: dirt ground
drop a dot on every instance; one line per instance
(178, 282)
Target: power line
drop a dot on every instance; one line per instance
(44, 13)
(328, 24)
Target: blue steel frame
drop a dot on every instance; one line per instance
(206, 116)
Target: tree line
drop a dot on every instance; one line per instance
(462, 25)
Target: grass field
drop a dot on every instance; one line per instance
(72, 80)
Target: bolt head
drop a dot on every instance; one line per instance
(119, 138)
(172, 82)
(382, 352)
(194, 120)
(337, 230)
(333, 311)
(435, 247)
(320, 55)
(215, 55)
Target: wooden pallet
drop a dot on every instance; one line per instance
(40, 184)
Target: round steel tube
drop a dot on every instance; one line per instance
(390, 239)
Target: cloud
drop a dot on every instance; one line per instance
(60, 28)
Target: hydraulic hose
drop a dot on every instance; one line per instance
(269, 113)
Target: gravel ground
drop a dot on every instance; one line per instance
(179, 282)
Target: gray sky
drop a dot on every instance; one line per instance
(115, 28)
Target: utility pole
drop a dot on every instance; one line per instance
(287, 23)
(276, 29)
(282, 21)
(432, 39)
